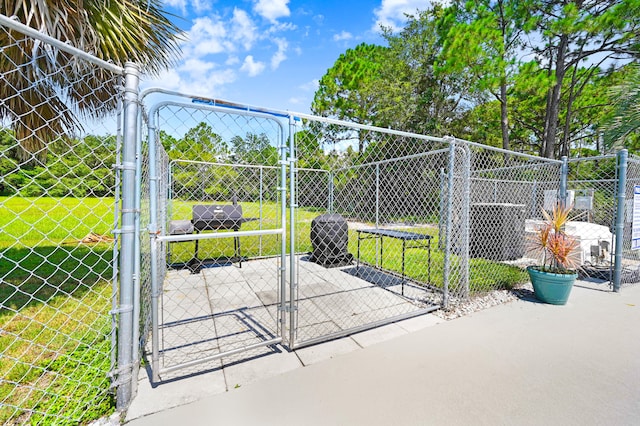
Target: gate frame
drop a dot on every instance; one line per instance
(156, 237)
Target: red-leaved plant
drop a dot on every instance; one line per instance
(557, 250)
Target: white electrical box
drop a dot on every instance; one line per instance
(584, 202)
(551, 198)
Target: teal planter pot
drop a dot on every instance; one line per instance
(551, 288)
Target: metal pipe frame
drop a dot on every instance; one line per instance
(393, 160)
(504, 151)
(115, 250)
(564, 176)
(596, 158)
(137, 249)
(342, 333)
(217, 235)
(466, 219)
(220, 355)
(291, 160)
(449, 223)
(282, 187)
(209, 163)
(153, 229)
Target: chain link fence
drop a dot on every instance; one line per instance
(366, 234)
(507, 195)
(591, 189)
(630, 257)
(59, 142)
(256, 230)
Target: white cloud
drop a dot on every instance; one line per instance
(198, 6)
(391, 12)
(242, 28)
(218, 48)
(278, 27)
(344, 35)
(251, 67)
(280, 55)
(297, 101)
(232, 60)
(207, 36)
(272, 9)
(310, 86)
(169, 79)
(201, 6)
(208, 84)
(196, 67)
(178, 4)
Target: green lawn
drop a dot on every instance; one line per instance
(55, 296)
(55, 299)
(484, 275)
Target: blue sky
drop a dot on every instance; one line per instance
(271, 53)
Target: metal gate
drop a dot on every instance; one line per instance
(216, 181)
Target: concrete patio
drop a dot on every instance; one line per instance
(226, 308)
(519, 363)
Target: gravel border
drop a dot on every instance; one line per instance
(458, 308)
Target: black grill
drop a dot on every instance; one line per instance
(215, 217)
(329, 240)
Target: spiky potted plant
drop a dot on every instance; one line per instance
(553, 279)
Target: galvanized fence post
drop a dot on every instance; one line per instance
(564, 176)
(449, 223)
(466, 220)
(292, 163)
(153, 229)
(619, 226)
(137, 256)
(127, 230)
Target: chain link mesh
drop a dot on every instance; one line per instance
(592, 187)
(216, 295)
(58, 145)
(507, 196)
(630, 257)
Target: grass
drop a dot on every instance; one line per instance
(484, 275)
(55, 297)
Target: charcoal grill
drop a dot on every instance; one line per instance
(211, 217)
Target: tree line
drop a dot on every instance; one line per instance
(550, 78)
(79, 167)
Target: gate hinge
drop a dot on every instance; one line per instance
(288, 308)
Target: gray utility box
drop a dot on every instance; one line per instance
(497, 231)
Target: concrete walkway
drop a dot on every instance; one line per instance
(519, 363)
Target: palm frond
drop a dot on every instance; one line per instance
(47, 92)
(626, 115)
